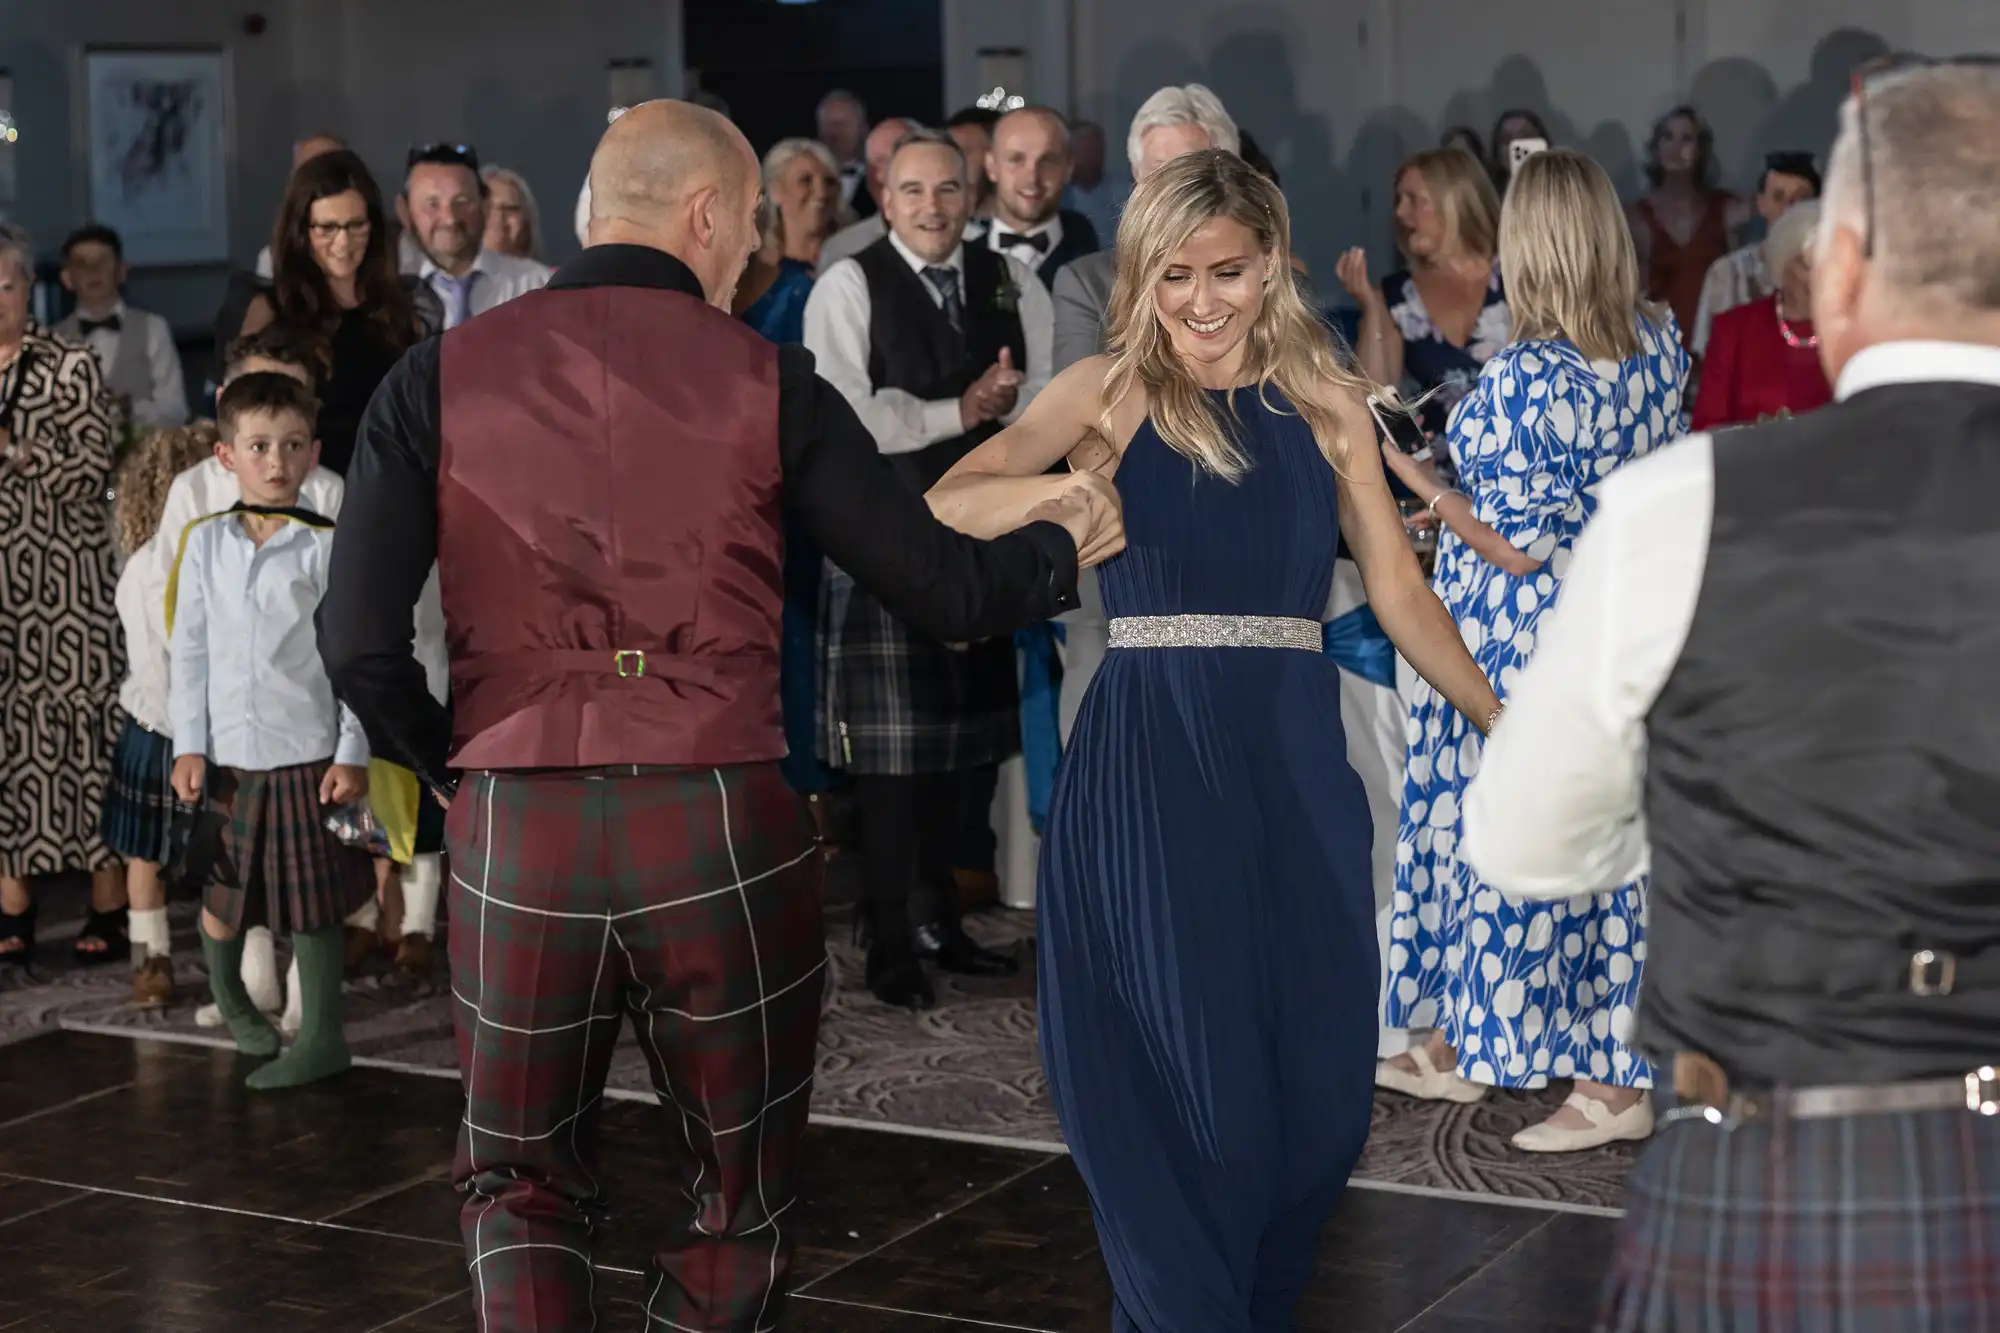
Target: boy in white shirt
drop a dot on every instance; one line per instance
(210, 488)
(134, 348)
(257, 731)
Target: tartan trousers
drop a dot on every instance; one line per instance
(688, 899)
(1863, 1224)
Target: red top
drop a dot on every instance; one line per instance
(1675, 272)
(1751, 372)
(608, 486)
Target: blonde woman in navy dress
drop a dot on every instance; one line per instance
(1208, 957)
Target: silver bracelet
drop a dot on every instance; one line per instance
(1432, 507)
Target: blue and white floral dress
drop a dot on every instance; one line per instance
(1525, 991)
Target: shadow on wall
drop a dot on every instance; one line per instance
(548, 142)
(1338, 203)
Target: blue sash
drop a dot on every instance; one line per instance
(1041, 705)
(1356, 643)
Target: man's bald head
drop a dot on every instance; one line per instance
(680, 178)
(881, 146)
(656, 155)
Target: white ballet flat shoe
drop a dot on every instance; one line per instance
(1606, 1126)
(1429, 1083)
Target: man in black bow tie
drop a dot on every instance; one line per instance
(134, 348)
(1029, 164)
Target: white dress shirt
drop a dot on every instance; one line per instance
(209, 488)
(141, 595)
(206, 488)
(493, 279)
(1556, 809)
(248, 689)
(163, 402)
(836, 333)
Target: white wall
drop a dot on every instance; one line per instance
(524, 81)
(1337, 91)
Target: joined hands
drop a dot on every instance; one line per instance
(1087, 505)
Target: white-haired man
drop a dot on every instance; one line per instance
(1766, 681)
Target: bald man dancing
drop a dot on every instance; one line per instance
(599, 470)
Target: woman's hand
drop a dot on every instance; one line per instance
(1352, 270)
(1415, 473)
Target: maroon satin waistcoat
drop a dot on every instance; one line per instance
(609, 538)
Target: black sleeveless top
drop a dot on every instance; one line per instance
(1823, 767)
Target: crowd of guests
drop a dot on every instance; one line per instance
(940, 276)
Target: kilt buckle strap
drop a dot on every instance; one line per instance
(1702, 1087)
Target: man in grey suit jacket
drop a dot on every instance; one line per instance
(1172, 121)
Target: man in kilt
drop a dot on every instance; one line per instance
(936, 343)
(599, 471)
(1771, 674)
(256, 730)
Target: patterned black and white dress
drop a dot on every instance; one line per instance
(60, 654)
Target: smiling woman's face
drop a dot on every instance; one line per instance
(1212, 292)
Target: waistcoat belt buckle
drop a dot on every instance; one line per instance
(1932, 972)
(635, 658)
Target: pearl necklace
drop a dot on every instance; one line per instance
(1810, 341)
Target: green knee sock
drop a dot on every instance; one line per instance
(321, 1049)
(253, 1032)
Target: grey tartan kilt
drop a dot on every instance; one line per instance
(893, 703)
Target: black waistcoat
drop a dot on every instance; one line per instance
(1823, 769)
(913, 347)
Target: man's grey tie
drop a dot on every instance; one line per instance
(946, 281)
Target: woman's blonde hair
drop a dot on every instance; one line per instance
(1288, 347)
(1464, 195)
(771, 225)
(1567, 258)
(529, 209)
(147, 472)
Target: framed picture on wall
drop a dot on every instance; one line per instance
(155, 136)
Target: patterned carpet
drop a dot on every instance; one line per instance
(968, 1066)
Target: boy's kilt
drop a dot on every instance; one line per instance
(894, 703)
(276, 847)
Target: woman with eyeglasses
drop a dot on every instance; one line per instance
(334, 283)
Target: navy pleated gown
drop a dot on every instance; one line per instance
(1208, 959)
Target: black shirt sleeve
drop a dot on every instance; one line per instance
(869, 522)
(385, 542)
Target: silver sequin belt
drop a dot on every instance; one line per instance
(1216, 632)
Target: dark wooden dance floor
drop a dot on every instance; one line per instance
(143, 1188)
